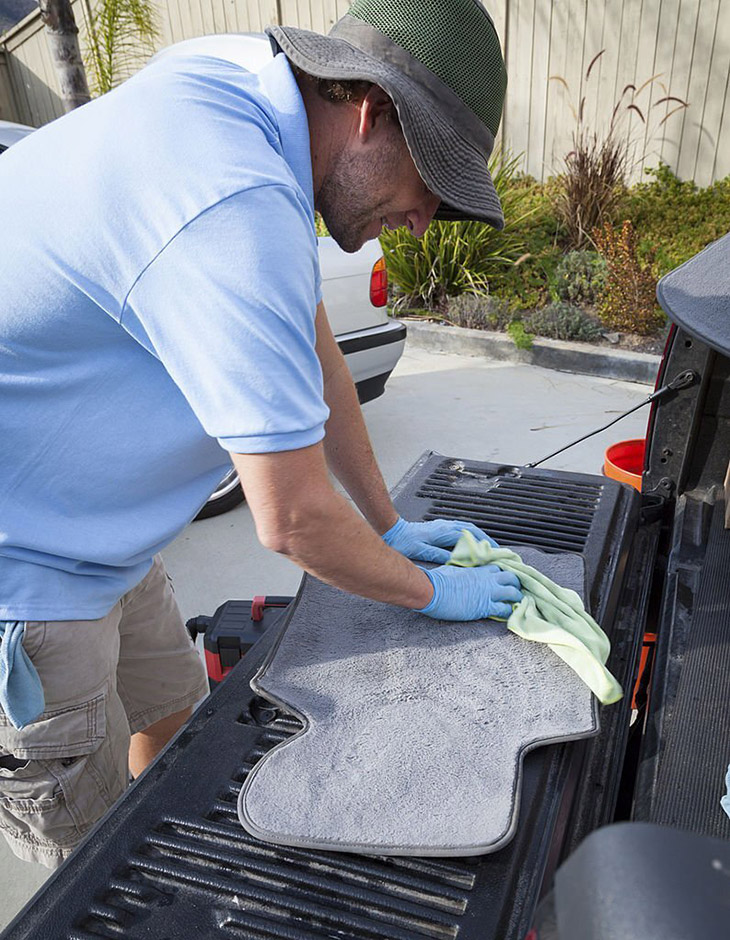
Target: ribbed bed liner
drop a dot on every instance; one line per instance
(171, 860)
(693, 758)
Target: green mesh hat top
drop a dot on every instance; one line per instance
(441, 63)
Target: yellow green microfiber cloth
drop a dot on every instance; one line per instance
(549, 614)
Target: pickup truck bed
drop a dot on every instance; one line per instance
(684, 779)
(172, 861)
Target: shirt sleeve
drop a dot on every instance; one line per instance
(228, 307)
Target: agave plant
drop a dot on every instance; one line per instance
(120, 33)
(454, 258)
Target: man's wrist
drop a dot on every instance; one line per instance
(428, 607)
(389, 522)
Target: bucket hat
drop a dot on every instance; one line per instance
(441, 63)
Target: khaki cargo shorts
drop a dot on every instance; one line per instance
(103, 680)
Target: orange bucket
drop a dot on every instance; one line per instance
(625, 462)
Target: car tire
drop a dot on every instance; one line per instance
(225, 497)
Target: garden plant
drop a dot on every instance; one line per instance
(580, 254)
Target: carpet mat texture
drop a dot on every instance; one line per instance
(415, 729)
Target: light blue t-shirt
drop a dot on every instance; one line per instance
(158, 285)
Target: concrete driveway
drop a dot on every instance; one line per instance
(460, 406)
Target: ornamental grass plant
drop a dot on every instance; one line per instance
(597, 167)
(592, 185)
(455, 258)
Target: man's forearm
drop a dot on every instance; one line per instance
(347, 444)
(298, 514)
(350, 455)
(339, 547)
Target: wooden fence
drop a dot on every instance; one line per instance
(664, 48)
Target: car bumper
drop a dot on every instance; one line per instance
(373, 353)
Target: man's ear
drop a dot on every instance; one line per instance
(376, 109)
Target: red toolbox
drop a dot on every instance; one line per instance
(233, 629)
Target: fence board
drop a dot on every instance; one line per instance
(699, 45)
(679, 78)
(631, 72)
(8, 109)
(175, 21)
(647, 63)
(20, 92)
(713, 160)
(557, 98)
(693, 130)
(604, 73)
(538, 84)
(47, 75)
(520, 17)
(688, 41)
(573, 73)
(666, 43)
(539, 87)
(206, 17)
(600, 19)
(566, 56)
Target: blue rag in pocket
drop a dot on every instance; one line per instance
(21, 692)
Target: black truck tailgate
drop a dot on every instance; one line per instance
(172, 861)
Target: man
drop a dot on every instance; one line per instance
(161, 313)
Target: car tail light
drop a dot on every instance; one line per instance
(379, 284)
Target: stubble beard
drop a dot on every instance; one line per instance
(349, 198)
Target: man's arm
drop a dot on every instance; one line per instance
(299, 514)
(347, 444)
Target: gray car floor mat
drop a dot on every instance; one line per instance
(414, 729)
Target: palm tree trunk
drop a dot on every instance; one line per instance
(63, 40)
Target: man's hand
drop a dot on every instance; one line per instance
(298, 514)
(429, 541)
(485, 592)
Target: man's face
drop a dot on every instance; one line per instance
(374, 184)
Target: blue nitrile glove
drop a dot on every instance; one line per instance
(429, 541)
(485, 592)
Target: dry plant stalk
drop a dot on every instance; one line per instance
(596, 168)
(592, 185)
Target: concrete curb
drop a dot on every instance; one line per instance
(583, 358)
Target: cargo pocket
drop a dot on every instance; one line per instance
(51, 792)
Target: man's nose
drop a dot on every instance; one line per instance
(418, 219)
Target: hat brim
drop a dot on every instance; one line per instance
(449, 164)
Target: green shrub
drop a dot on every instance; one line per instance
(580, 277)
(454, 258)
(526, 284)
(522, 339)
(479, 312)
(675, 220)
(629, 298)
(560, 320)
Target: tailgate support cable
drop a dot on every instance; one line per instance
(683, 380)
